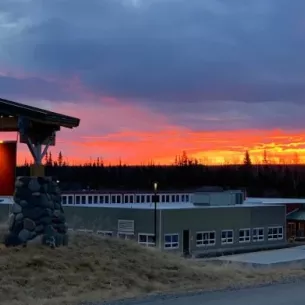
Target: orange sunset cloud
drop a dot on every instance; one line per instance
(116, 131)
(135, 135)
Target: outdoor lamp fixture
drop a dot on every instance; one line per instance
(155, 212)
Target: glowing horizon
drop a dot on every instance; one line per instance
(162, 147)
(117, 132)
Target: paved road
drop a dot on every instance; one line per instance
(278, 294)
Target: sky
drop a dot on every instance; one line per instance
(152, 78)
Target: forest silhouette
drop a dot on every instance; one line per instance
(258, 180)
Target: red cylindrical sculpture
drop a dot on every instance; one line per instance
(8, 162)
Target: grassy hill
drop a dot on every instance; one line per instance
(95, 268)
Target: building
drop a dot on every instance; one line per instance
(213, 222)
(295, 214)
(202, 222)
(199, 229)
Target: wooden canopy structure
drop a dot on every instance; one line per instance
(36, 127)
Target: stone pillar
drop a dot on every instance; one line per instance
(37, 211)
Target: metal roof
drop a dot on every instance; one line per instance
(145, 206)
(163, 206)
(139, 192)
(296, 215)
(275, 200)
(125, 192)
(10, 109)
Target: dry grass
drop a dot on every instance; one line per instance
(92, 268)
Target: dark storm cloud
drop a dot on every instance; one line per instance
(169, 50)
(34, 88)
(232, 115)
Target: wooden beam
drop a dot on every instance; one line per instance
(8, 124)
(37, 170)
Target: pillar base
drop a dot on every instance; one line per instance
(37, 212)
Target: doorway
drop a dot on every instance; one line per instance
(186, 243)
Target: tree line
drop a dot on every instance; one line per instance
(259, 180)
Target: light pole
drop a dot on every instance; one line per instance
(155, 212)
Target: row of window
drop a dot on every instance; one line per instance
(208, 238)
(101, 199)
(146, 239)
(205, 238)
(247, 235)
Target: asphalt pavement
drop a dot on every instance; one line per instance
(277, 294)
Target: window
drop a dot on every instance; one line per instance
(163, 198)
(101, 199)
(118, 199)
(84, 200)
(126, 197)
(257, 234)
(131, 198)
(173, 198)
(142, 198)
(77, 199)
(126, 236)
(90, 199)
(70, 199)
(148, 198)
(105, 233)
(167, 198)
(171, 241)
(227, 237)
(138, 198)
(84, 230)
(291, 228)
(113, 199)
(177, 198)
(207, 238)
(244, 236)
(239, 198)
(64, 199)
(146, 239)
(107, 199)
(187, 199)
(155, 198)
(95, 199)
(183, 198)
(275, 233)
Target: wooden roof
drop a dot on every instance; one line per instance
(10, 111)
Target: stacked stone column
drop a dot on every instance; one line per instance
(37, 211)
